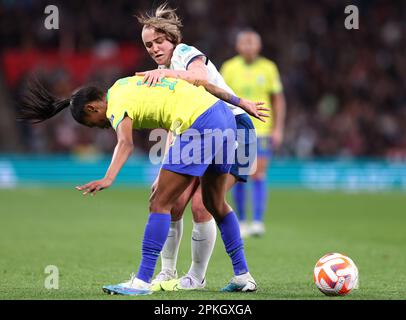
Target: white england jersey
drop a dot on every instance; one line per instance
(183, 55)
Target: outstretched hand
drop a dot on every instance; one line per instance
(95, 186)
(152, 77)
(254, 109)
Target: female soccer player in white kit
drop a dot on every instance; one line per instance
(162, 39)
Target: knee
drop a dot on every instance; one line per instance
(178, 207)
(177, 212)
(207, 203)
(217, 208)
(157, 205)
(200, 213)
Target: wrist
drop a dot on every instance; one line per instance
(235, 100)
(109, 179)
(168, 73)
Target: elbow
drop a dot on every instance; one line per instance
(200, 78)
(203, 80)
(128, 146)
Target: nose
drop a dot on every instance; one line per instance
(155, 48)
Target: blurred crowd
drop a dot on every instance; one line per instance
(344, 88)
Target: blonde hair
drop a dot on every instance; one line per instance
(164, 20)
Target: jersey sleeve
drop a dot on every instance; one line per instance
(116, 110)
(224, 71)
(275, 84)
(183, 55)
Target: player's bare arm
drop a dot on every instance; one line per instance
(122, 151)
(195, 74)
(279, 114)
(252, 108)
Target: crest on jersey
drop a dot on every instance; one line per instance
(184, 48)
(261, 79)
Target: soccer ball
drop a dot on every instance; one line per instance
(335, 274)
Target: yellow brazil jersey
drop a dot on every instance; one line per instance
(255, 81)
(172, 104)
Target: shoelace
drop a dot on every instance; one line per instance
(188, 278)
(163, 275)
(191, 279)
(132, 277)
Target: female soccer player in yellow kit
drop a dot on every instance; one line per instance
(256, 78)
(186, 110)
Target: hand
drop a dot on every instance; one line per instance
(254, 109)
(95, 186)
(152, 77)
(277, 138)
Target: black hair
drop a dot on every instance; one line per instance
(38, 104)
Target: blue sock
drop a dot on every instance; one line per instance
(155, 234)
(239, 200)
(230, 233)
(259, 199)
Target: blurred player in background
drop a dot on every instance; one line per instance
(162, 39)
(256, 78)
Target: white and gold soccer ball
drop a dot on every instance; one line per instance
(335, 274)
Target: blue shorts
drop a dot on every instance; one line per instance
(247, 147)
(264, 145)
(209, 144)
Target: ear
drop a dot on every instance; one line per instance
(90, 108)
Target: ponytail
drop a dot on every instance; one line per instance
(38, 104)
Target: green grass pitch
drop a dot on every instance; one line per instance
(96, 241)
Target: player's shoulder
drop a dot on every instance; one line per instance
(125, 81)
(268, 66)
(183, 48)
(267, 63)
(232, 62)
(182, 55)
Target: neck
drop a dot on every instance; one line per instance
(249, 60)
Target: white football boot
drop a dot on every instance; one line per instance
(257, 229)
(187, 282)
(132, 287)
(241, 283)
(164, 275)
(244, 229)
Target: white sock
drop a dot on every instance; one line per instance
(169, 254)
(203, 241)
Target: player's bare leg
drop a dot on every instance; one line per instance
(170, 250)
(169, 187)
(231, 180)
(203, 239)
(214, 192)
(204, 235)
(169, 253)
